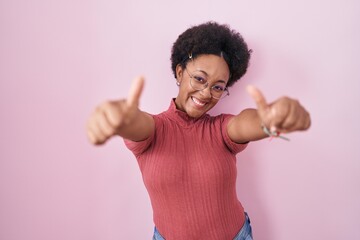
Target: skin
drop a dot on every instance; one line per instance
(121, 117)
(124, 118)
(196, 103)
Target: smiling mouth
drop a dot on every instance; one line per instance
(198, 102)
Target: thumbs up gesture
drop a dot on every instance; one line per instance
(121, 117)
(281, 116)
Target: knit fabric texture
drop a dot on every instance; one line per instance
(189, 170)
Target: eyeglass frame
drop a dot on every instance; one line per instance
(206, 84)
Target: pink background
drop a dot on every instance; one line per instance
(59, 59)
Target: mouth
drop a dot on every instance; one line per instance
(198, 102)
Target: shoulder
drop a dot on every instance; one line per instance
(219, 119)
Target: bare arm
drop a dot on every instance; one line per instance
(121, 117)
(245, 127)
(282, 116)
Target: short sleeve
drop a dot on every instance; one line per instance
(137, 148)
(233, 146)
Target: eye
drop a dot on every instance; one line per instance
(199, 79)
(218, 88)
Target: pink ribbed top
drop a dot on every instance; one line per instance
(189, 170)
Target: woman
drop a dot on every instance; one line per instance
(188, 158)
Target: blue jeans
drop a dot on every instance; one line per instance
(244, 234)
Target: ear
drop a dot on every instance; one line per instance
(179, 72)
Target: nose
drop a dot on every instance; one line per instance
(206, 92)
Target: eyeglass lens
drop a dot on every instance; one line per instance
(198, 81)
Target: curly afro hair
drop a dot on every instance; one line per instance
(212, 38)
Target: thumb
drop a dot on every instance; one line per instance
(258, 97)
(135, 91)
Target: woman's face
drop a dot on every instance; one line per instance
(197, 102)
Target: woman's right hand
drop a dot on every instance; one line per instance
(112, 117)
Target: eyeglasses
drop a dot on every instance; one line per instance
(199, 82)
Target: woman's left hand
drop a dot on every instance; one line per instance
(283, 115)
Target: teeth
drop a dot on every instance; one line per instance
(197, 102)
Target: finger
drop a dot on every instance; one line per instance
(291, 120)
(115, 113)
(297, 120)
(286, 126)
(91, 136)
(105, 125)
(279, 112)
(135, 91)
(89, 131)
(95, 135)
(258, 98)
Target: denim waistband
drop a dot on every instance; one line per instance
(244, 234)
(246, 231)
